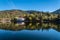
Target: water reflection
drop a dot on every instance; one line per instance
(29, 31)
(29, 26)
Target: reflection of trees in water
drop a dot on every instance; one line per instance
(30, 26)
(11, 26)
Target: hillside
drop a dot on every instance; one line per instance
(11, 13)
(29, 15)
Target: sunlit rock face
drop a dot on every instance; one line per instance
(19, 19)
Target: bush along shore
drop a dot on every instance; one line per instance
(55, 18)
(28, 16)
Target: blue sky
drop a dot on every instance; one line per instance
(38, 5)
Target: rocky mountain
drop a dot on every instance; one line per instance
(57, 11)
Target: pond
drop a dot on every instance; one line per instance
(30, 31)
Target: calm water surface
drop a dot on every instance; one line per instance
(31, 32)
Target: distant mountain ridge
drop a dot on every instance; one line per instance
(33, 11)
(20, 11)
(29, 11)
(57, 11)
